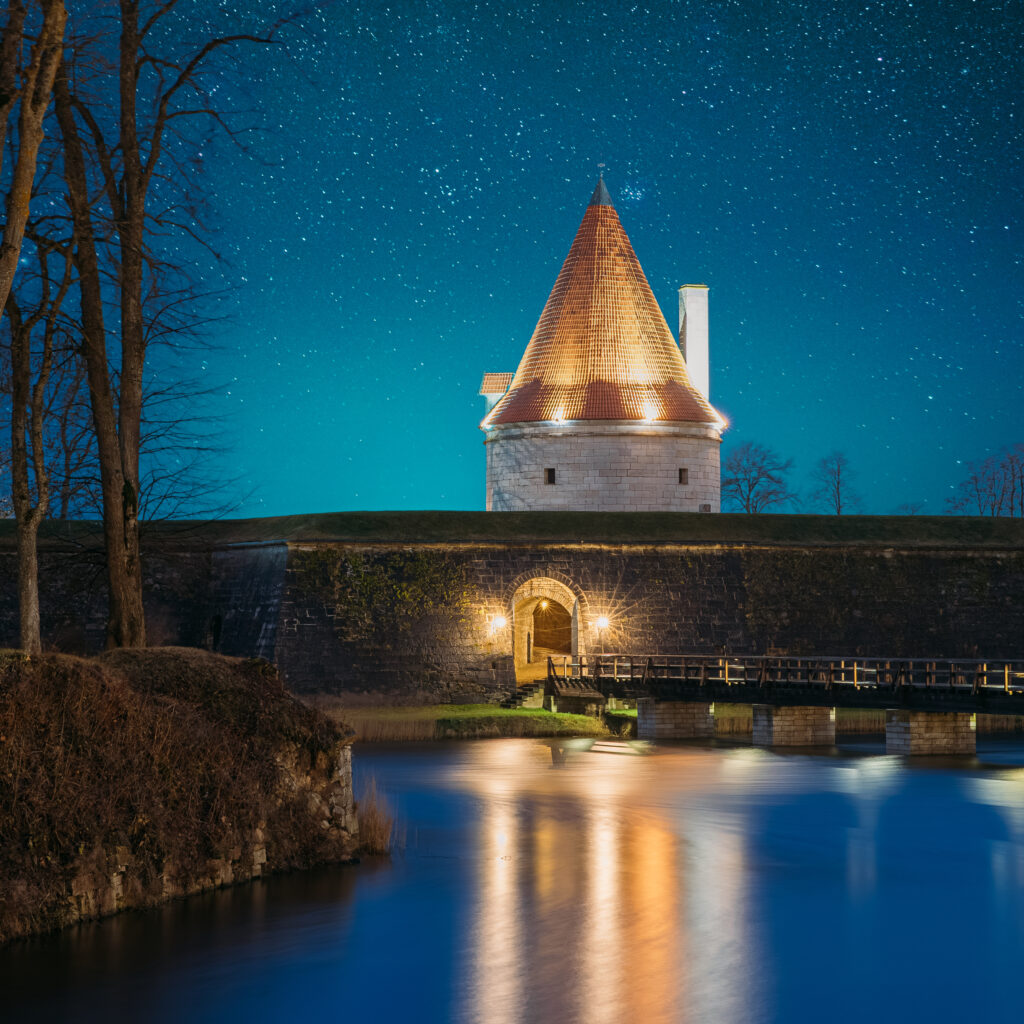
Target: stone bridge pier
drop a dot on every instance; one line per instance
(673, 720)
(930, 732)
(906, 732)
(794, 726)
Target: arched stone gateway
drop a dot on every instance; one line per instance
(549, 619)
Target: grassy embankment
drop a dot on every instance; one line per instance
(433, 527)
(147, 773)
(456, 721)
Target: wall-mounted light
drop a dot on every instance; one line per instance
(498, 622)
(602, 622)
(543, 604)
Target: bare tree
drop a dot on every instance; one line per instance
(833, 480)
(28, 86)
(755, 479)
(29, 386)
(993, 487)
(123, 158)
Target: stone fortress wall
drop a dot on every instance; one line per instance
(372, 614)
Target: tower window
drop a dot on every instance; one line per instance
(705, 508)
(549, 476)
(684, 476)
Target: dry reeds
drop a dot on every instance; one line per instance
(371, 728)
(860, 721)
(734, 720)
(376, 822)
(1000, 724)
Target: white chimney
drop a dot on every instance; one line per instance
(693, 335)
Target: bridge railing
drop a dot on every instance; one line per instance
(638, 670)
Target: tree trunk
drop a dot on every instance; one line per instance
(28, 586)
(26, 430)
(37, 83)
(26, 514)
(131, 230)
(125, 617)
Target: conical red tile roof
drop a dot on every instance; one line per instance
(602, 349)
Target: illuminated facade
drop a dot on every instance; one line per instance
(606, 410)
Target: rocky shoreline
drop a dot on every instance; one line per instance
(144, 776)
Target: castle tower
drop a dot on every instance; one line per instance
(602, 413)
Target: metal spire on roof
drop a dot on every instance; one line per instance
(600, 196)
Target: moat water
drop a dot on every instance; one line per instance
(698, 883)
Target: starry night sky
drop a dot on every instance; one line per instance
(846, 177)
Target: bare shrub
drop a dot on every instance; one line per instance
(170, 755)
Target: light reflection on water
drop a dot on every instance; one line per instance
(724, 884)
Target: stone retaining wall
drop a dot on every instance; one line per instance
(109, 880)
(660, 598)
(664, 599)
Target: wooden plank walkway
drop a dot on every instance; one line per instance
(993, 686)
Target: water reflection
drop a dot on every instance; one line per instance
(717, 884)
(695, 884)
(499, 981)
(582, 887)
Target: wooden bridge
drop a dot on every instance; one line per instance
(969, 685)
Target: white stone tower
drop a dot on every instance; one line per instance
(602, 413)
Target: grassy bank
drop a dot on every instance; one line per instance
(433, 527)
(142, 775)
(456, 721)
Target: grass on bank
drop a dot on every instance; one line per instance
(431, 527)
(457, 721)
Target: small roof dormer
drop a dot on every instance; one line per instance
(493, 386)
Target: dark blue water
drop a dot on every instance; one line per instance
(719, 884)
